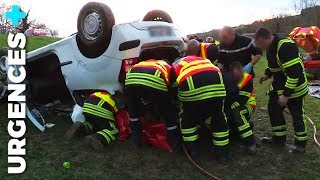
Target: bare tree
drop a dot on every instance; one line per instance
(25, 23)
(299, 5)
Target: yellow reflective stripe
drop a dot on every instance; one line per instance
(252, 101)
(104, 135)
(250, 109)
(247, 134)
(107, 98)
(279, 46)
(282, 127)
(243, 127)
(192, 68)
(100, 103)
(301, 133)
(189, 131)
(203, 96)
(221, 143)
(109, 133)
(214, 87)
(235, 105)
(301, 138)
(220, 134)
(143, 76)
(97, 113)
(280, 133)
(291, 63)
(161, 87)
(299, 94)
(187, 65)
(191, 138)
(100, 109)
(190, 83)
(157, 74)
(159, 64)
(87, 124)
(244, 93)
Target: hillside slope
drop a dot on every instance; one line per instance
(285, 24)
(32, 42)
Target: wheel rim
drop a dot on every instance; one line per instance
(92, 26)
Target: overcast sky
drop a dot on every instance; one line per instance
(190, 16)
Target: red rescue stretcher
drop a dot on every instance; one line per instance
(308, 38)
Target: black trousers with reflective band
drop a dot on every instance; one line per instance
(161, 105)
(238, 120)
(194, 113)
(278, 122)
(105, 129)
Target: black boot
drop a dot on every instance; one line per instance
(93, 142)
(76, 129)
(193, 149)
(296, 149)
(279, 142)
(174, 138)
(222, 155)
(136, 133)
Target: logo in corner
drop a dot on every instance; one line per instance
(15, 15)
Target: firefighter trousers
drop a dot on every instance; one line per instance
(239, 118)
(105, 129)
(194, 113)
(162, 104)
(278, 122)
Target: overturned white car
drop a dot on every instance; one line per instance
(61, 75)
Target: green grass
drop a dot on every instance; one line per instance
(47, 151)
(32, 42)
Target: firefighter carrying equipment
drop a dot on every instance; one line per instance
(151, 73)
(186, 69)
(99, 110)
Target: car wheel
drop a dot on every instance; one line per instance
(95, 22)
(158, 15)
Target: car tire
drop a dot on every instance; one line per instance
(158, 15)
(95, 22)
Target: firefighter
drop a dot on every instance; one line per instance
(240, 103)
(149, 80)
(99, 128)
(201, 93)
(288, 88)
(205, 50)
(239, 48)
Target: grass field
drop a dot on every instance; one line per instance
(47, 151)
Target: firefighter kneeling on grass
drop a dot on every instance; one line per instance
(149, 80)
(202, 93)
(99, 128)
(240, 104)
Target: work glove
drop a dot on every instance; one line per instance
(248, 68)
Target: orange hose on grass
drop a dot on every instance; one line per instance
(314, 131)
(199, 167)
